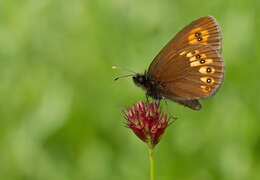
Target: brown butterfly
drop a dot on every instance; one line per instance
(189, 67)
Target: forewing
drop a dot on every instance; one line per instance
(203, 31)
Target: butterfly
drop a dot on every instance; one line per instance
(189, 67)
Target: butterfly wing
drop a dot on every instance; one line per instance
(203, 31)
(192, 73)
(193, 104)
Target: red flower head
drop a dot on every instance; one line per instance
(147, 121)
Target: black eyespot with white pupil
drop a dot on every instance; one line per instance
(208, 80)
(197, 34)
(208, 69)
(202, 61)
(198, 56)
(199, 39)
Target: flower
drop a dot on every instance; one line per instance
(147, 121)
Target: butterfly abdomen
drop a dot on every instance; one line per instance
(150, 86)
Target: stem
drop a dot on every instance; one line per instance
(151, 163)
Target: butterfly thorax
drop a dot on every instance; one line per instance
(149, 85)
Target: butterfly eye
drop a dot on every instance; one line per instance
(141, 79)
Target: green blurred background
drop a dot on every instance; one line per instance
(59, 105)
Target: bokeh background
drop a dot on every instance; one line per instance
(59, 115)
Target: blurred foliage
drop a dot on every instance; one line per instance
(59, 106)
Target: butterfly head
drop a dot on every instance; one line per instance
(140, 80)
(150, 86)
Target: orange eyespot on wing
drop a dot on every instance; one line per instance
(197, 57)
(198, 36)
(207, 32)
(207, 80)
(207, 70)
(205, 89)
(192, 53)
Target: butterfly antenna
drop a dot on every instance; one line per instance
(124, 69)
(124, 76)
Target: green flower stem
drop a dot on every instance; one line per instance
(151, 163)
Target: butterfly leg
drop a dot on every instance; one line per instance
(167, 108)
(147, 98)
(157, 101)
